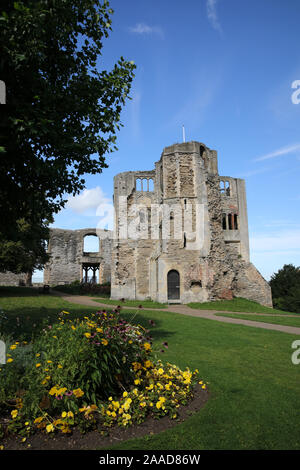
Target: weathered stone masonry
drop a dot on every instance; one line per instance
(176, 270)
(70, 263)
(141, 261)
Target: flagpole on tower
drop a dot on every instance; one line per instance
(183, 133)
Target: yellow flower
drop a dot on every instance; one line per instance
(127, 404)
(99, 330)
(38, 365)
(70, 414)
(160, 371)
(137, 382)
(49, 362)
(50, 428)
(78, 392)
(13, 346)
(59, 366)
(125, 394)
(37, 355)
(147, 346)
(10, 360)
(38, 420)
(87, 335)
(104, 342)
(64, 414)
(14, 413)
(147, 364)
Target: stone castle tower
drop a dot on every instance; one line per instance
(181, 232)
(180, 235)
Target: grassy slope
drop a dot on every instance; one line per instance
(236, 305)
(254, 386)
(254, 403)
(26, 310)
(288, 321)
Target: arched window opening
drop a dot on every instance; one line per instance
(138, 184)
(145, 185)
(150, 184)
(227, 188)
(91, 244)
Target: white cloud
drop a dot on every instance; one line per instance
(282, 151)
(88, 200)
(212, 15)
(142, 28)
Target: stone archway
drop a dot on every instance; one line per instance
(173, 285)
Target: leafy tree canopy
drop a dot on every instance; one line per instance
(285, 285)
(61, 116)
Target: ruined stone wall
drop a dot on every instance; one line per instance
(11, 279)
(66, 249)
(217, 266)
(230, 274)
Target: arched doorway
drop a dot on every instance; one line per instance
(173, 285)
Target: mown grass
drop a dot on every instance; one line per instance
(131, 303)
(237, 304)
(254, 387)
(25, 311)
(284, 320)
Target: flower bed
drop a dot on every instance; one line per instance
(93, 373)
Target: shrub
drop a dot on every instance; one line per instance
(78, 288)
(97, 371)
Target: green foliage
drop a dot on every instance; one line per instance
(98, 359)
(285, 285)
(61, 117)
(78, 288)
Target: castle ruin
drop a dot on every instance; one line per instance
(180, 235)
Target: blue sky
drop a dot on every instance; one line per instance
(224, 69)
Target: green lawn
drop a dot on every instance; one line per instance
(237, 304)
(254, 387)
(131, 303)
(284, 320)
(26, 310)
